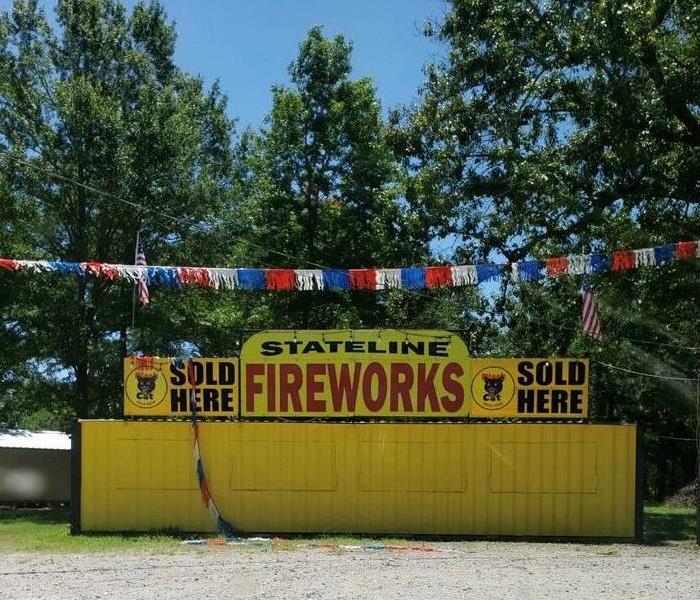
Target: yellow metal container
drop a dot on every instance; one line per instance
(421, 478)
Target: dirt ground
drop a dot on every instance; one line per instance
(480, 570)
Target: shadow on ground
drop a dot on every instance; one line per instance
(662, 526)
(51, 514)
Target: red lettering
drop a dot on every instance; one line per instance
(342, 389)
(271, 388)
(374, 404)
(452, 386)
(290, 385)
(313, 387)
(426, 388)
(401, 375)
(252, 387)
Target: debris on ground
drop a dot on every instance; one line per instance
(686, 497)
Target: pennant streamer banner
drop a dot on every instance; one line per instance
(364, 279)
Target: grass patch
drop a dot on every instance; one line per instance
(668, 524)
(48, 530)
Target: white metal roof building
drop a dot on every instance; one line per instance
(34, 466)
(38, 440)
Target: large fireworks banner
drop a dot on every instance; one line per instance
(382, 373)
(344, 374)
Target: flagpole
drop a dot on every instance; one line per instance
(133, 295)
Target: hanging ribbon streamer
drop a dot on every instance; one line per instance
(412, 278)
(8, 263)
(487, 272)
(438, 277)
(67, 268)
(464, 275)
(528, 270)
(622, 260)
(685, 250)
(221, 524)
(645, 257)
(388, 279)
(101, 270)
(251, 279)
(363, 279)
(556, 267)
(600, 263)
(579, 264)
(223, 279)
(167, 276)
(308, 279)
(194, 276)
(35, 266)
(280, 279)
(132, 273)
(665, 254)
(335, 279)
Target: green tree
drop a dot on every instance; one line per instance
(322, 186)
(97, 100)
(562, 115)
(562, 127)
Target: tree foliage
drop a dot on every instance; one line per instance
(564, 116)
(565, 127)
(98, 100)
(549, 127)
(322, 187)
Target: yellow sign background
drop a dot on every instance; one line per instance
(367, 373)
(539, 388)
(157, 387)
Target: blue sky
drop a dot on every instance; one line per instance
(248, 44)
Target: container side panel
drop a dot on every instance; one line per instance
(453, 479)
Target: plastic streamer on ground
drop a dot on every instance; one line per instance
(276, 542)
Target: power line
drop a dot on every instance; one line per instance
(194, 224)
(198, 226)
(609, 338)
(155, 211)
(644, 374)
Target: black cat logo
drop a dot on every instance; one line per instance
(493, 386)
(146, 385)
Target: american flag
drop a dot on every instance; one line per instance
(142, 284)
(589, 312)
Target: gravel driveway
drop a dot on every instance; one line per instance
(480, 570)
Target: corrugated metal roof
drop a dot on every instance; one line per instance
(39, 440)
